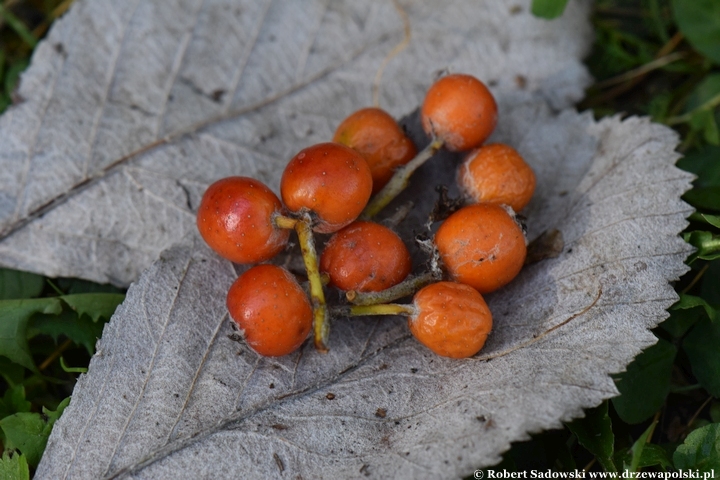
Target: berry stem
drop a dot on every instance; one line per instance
(406, 288)
(281, 221)
(400, 179)
(383, 309)
(321, 324)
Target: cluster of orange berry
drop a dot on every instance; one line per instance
(327, 188)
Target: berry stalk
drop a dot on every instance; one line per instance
(281, 221)
(321, 324)
(384, 309)
(400, 180)
(403, 289)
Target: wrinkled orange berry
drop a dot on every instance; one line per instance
(452, 319)
(497, 173)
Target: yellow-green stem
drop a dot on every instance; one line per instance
(408, 287)
(384, 309)
(400, 179)
(321, 325)
(281, 221)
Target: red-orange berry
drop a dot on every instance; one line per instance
(496, 173)
(482, 246)
(460, 110)
(235, 218)
(271, 309)
(452, 319)
(376, 136)
(330, 180)
(365, 257)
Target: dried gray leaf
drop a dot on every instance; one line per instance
(170, 394)
(130, 109)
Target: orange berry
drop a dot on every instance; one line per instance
(460, 110)
(482, 246)
(365, 257)
(452, 319)
(271, 309)
(330, 180)
(376, 136)
(496, 173)
(235, 218)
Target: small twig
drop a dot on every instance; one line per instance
(697, 413)
(642, 70)
(397, 49)
(71, 369)
(542, 335)
(696, 279)
(55, 354)
(590, 464)
(709, 105)
(403, 289)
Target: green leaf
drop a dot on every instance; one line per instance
(80, 329)
(11, 372)
(15, 284)
(715, 412)
(16, 24)
(14, 466)
(634, 459)
(705, 163)
(77, 285)
(699, 21)
(594, 432)
(702, 351)
(14, 401)
(15, 316)
(680, 321)
(645, 384)
(713, 220)
(687, 302)
(94, 305)
(707, 244)
(709, 284)
(706, 198)
(29, 432)
(654, 455)
(704, 121)
(12, 76)
(700, 450)
(548, 9)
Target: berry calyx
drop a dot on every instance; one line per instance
(496, 173)
(329, 180)
(482, 246)
(460, 110)
(365, 257)
(374, 134)
(235, 218)
(452, 319)
(271, 309)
